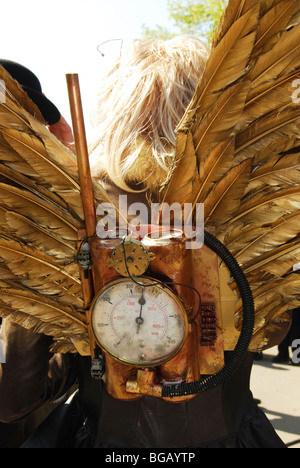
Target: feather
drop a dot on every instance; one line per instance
(245, 132)
(19, 100)
(258, 207)
(275, 299)
(277, 262)
(234, 10)
(237, 151)
(65, 159)
(185, 180)
(36, 156)
(225, 196)
(38, 270)
(272, 24)
(12, 176)
(216, 165)
(5, 273)
(61, 316)
(255, 242)
(46, 316)
(215, 129)
(43, 239)
(278, 170)
(43, 212)
(12, 159)
(273, 98)
(282, 57)
(10, 114)
(265, 131)
(40, 149)
(216, 105)
(219, 123)
(222, 69)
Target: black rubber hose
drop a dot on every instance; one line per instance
(242, 345)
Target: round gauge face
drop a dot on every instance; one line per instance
(138, 325)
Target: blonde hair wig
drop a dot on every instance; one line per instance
(139, 104)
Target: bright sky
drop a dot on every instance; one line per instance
(61, 36)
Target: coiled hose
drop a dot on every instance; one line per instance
(240, 350)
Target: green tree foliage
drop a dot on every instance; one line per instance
(159, 32)
(194, 17)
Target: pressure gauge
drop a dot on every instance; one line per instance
(141, 324)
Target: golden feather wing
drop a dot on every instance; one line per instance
(41, 214)
(238, 151)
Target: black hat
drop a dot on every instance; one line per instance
(32, 86)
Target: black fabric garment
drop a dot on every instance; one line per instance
(225, 417)
(293, 334)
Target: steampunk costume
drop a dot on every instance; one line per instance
(159, 336)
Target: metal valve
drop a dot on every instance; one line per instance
(84, 259)
(97, 367)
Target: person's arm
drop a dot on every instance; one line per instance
(30, 375)
(63, 133)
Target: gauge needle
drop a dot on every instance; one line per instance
(139, 320)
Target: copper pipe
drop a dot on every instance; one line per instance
(86, 187)
(84, 171)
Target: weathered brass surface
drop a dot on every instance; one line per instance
(170, 262)
(130, 258)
